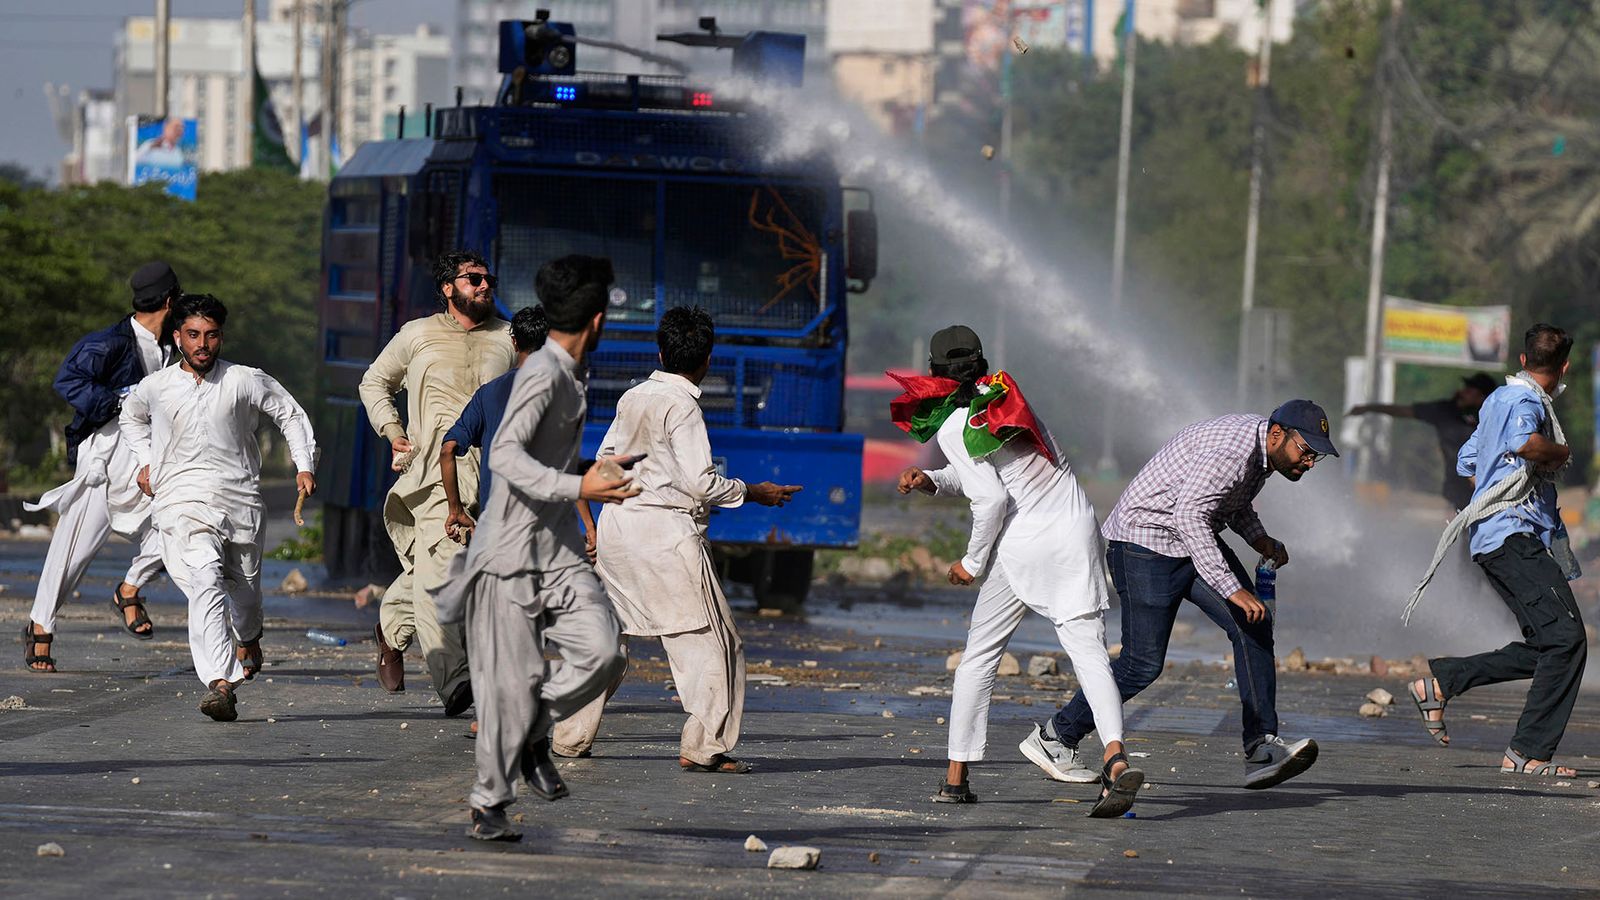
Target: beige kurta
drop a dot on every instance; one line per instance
(439, 365)
(653, 554)
(657, 566)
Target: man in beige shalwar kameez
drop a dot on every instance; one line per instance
(439, 361)
(653, 556)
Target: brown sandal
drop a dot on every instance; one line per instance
(139, 619)
(721, 764)
(250, 655)
(32, 659)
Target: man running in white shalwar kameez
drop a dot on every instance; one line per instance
(192, 427)
(1035, 542)
(523, 584)
(653, 556)
(103, 496)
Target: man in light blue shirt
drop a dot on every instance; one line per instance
(1518, 431)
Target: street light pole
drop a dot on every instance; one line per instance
(248, 119)
(163, 55)
(1258, 141)
(1119, 240)
(1380, 226)
(297, 83)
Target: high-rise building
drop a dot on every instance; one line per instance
(378, 74)
(206, 79)
(383, 73)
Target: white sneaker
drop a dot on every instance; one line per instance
(1274, 761)
(1059, 761)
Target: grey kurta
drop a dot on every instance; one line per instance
(524, 584)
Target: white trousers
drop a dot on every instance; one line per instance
(994, 619)
(222, 579)
(81, 532)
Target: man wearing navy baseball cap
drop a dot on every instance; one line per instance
(1163, 547)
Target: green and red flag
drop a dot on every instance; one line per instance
(998, 415)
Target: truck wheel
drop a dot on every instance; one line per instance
(782, 578)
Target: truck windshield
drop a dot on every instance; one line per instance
(749, 252)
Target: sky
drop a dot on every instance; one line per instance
(70, 42)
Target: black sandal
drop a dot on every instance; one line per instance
(122, 603)
(1117, 794)
(955, 793)
(29, 657)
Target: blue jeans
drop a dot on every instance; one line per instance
(1151, 587)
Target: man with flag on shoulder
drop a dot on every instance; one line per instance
(1035, 542)
(1164, 548)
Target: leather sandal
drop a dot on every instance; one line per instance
(29, 657)
(250, 657)
(140, 617)
(720, 763)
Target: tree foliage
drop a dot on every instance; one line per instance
(250, 238)
(1495, 183)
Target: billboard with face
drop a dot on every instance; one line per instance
(164, 151)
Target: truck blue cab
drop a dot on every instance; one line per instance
(675, 184)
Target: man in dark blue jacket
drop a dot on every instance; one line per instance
(104, 494)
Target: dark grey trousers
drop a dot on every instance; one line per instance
(1552, 651)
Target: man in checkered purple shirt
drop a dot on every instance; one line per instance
(1164, 547)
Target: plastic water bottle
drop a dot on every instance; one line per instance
(1267, 585)
(318, 636)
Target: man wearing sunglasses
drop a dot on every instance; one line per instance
(440, 361)
(1164, 547)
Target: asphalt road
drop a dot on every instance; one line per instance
(329, 786)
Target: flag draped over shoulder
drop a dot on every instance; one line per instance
(998, 415)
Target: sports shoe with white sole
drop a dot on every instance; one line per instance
(1274, 761)
(1059, 761)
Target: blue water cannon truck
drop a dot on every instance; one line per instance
(673, 183)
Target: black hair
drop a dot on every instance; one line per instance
(449, 264)
(684, 337)
(1546, 348)
(151, 304)
(573, 290)
(967, 371)
(529, 327)
(189, 305)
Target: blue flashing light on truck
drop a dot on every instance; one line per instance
(672, 183)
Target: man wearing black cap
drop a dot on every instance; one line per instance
(1453, 419)
(1163, 548)
(103, 495)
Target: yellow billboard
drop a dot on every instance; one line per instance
(1469, 337)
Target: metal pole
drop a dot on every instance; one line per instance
(163, 54)
(999, 343)
(341, 26)
(1380, 224)
(1119, 240)
(296, 84)
(248, 120)
(1258, 142)
(325, 138)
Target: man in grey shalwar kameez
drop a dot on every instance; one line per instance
(524, 583)
(653, 555)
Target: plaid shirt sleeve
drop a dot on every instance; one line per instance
(1246, 524)
(1197, 499)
